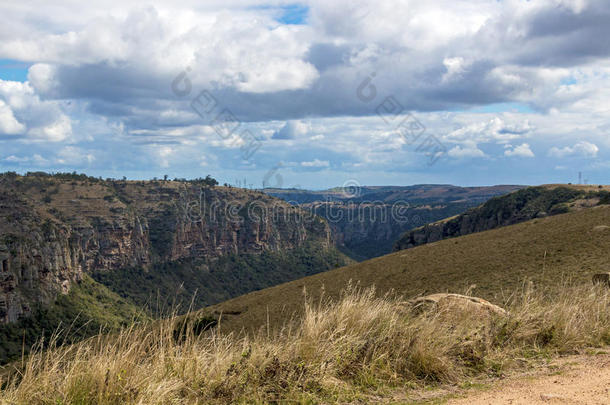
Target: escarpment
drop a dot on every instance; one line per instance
(53, 230)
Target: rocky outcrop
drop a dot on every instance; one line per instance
(37, 261)
(455, 306)
(54, 230)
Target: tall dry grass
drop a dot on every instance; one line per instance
(339, 351)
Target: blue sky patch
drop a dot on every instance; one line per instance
(569, 81)
(14, 70)
(294, 14)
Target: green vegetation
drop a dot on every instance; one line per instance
(358, 348)
(86, 310)
(197, 282)
(144, 240)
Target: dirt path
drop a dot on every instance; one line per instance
(579, 380)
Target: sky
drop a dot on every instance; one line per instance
(310, 94)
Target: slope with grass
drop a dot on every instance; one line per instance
(86, 310)
(519, 206)
(357, 349)
(491, 264)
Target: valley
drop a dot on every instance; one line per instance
(193, 267)
(366, 222)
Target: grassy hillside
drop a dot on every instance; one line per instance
(491, 263)
(519, 206)
(351, 344)
(357, 349)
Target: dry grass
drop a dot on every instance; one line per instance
(357, 347)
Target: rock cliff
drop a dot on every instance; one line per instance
(53, 229)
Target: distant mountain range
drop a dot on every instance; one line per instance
(367, 221)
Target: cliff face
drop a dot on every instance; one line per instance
(367, 221)
(368, 230)
(520, 206)
(52, 230)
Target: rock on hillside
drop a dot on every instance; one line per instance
(457, 306)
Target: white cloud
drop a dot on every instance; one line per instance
(291, 130)
(316, 163)
(471, 151)
(56, 131)
(164, 154)
(36, 160)
(16, 159)
(41, 77)
(455, 67)
(582, 148)
(74, 156)
(497, 129)
(101, 76)
(8, 123)
(24, 114)
(522, 150)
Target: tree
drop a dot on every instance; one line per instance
(210, 181)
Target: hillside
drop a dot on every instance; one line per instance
(149, 244)
(367, 221)
(491, 264)
(519, 206)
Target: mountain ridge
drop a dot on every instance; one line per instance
(513, 208)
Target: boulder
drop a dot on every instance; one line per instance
(602, 278)
(453, 304)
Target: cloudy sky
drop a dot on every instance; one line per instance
(309, 94)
